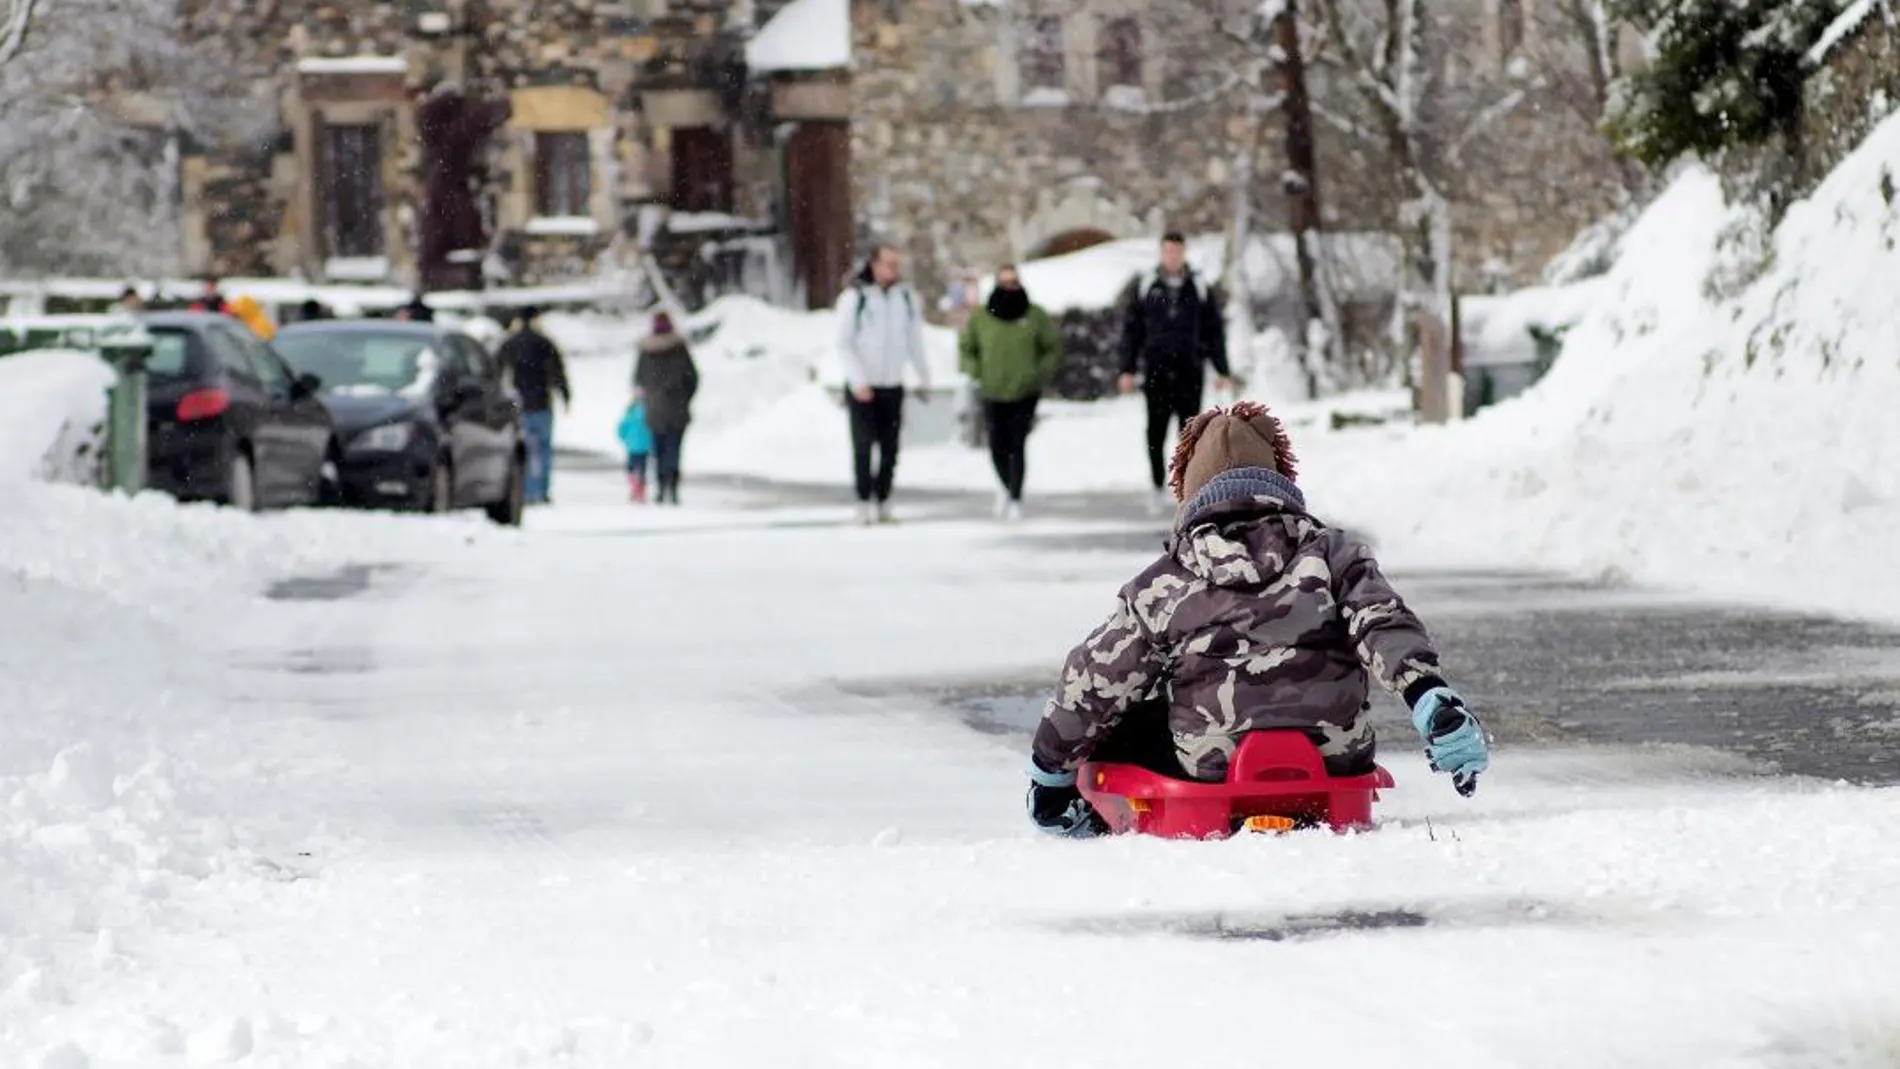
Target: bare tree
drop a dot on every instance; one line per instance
(1394, 54)
(94, 108)
(16, 18)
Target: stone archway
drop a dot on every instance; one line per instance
(1070, 241)
(1080, 207)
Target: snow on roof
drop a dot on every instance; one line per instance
(808, 35)
(1497, 329)
(352, 65)
(1095, 277)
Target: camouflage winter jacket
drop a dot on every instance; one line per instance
(1258, 616)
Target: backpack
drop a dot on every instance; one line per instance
(857, 318)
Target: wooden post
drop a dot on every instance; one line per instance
(1434, 385)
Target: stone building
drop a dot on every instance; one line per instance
(455, 143)
(763, 144)
(993, 130)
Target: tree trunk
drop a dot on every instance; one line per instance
(1301, 186)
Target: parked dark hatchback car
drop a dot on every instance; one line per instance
(424, 415)
(227, 420)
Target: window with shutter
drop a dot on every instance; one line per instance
(1041, 54)
(563, 174)
(351, 182)
(1121, 52)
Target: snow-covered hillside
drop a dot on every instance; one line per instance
(1742, 446)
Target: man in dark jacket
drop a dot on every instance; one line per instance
(1173, 325)
(539, 373)
(665, 377)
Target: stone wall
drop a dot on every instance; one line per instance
(1857, 87)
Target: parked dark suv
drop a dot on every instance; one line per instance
(227, 420)
(422, 411)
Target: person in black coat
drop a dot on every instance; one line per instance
(1173, 327)
(534, 362)
(666, 378)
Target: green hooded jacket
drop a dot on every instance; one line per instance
(1010, 360)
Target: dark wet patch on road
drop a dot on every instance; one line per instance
(349, 581)
(1268, 927)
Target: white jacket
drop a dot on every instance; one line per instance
(879, 331)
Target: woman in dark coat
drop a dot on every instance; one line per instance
(666, 378)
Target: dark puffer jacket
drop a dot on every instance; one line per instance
(666, 372)
(1258, 616)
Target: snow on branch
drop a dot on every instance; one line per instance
(19, 17)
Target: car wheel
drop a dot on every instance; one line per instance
(507, 511)
(242, 482)
(441, 488)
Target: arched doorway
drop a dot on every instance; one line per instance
(1071, 241)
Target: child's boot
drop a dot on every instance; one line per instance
(637, 487)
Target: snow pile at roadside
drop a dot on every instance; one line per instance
(121, 741)
(52, 409)
(1741, 447)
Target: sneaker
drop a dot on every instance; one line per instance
(884, 513)
(1160, 502)
(1001, 507)
(1013, 512)
(866, 516)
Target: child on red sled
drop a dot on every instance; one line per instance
(1257, 616)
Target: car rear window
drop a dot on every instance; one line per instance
(171, 354)
(357, 359)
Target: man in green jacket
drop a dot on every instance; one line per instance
(1011, 348)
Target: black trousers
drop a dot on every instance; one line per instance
(875, 424)
(1008, 424)
(1178, 400)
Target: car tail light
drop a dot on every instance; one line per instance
(202, 404)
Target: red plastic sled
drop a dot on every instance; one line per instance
(1276, 782)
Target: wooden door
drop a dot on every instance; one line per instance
(818, 207)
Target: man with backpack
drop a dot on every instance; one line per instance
(881, 330)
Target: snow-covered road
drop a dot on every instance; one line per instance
(639, 789)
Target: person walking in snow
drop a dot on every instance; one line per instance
(880, 332)
(637, 437)
(666, 379)
(1173, 326)
(1258, 617)
(534, 362)
(1012, 350)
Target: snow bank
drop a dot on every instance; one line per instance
(52, 403)
(1744, 447)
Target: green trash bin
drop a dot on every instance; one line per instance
(128, 351)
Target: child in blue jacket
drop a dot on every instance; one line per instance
(638, 439)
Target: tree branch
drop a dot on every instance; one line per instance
(19, 18)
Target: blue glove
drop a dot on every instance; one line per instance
(1058, 808)
(1454, 740)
